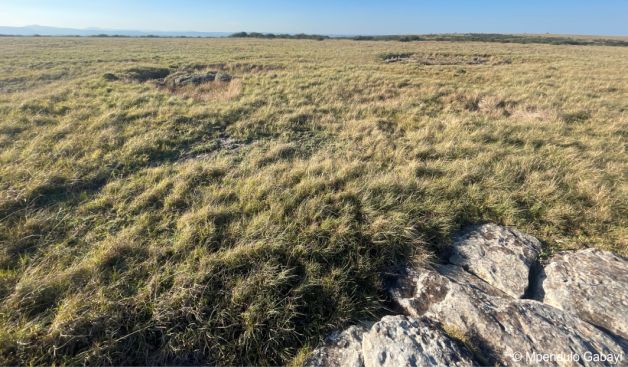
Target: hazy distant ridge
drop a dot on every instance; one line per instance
(54, 31)
(455, 37)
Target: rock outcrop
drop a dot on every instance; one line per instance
(341, 349)
(500, 256)
(579, 315)
(590, 284)
(393, 341)
(504, 329)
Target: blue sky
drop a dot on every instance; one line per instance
(609, 17)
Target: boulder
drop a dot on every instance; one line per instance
(505, 330)
(591, 284)
(393, 341)
(500, 256)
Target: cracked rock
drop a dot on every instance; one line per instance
(591, 284)
(393, 341)
(501, 327)
(500, 256)
(341, 349)
(477, 298)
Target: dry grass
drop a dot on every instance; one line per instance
(210, 92)
(238, 224)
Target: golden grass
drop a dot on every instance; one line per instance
(239, 223)
(210, 92)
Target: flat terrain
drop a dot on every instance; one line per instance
(239, 222)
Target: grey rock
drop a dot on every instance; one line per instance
(500, 256)
(591, 284)
(477, 297)
(392, 341)
(341, 349)
(403, 341)
(502, 328)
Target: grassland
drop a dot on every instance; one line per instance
(239, 223)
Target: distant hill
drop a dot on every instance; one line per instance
(32, 30)
(553, 39)
(459, 37)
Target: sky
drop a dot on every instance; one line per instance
(349, 17)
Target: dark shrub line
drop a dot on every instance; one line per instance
(466, 37)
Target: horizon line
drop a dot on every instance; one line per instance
(332, 35)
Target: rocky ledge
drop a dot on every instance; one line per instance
(496, 303)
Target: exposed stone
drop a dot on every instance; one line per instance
(341, 349)
(591, 284)
(393, 341)
(584, 320)
(505, 330)
(403, 341)
(500, 256)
